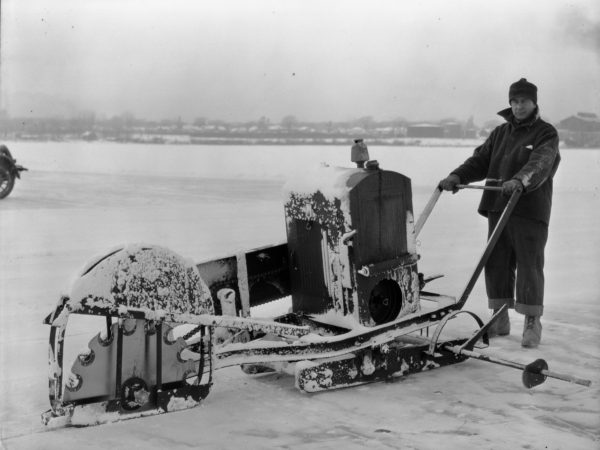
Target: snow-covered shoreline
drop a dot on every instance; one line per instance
(425, 165)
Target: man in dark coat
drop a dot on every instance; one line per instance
(519, 154)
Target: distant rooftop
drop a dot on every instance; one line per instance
(587, 116)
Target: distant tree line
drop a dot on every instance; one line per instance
(128, 128)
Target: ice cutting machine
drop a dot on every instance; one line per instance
(350, 266)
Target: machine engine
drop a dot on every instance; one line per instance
(351, 245)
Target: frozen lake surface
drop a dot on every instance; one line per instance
(80, 199)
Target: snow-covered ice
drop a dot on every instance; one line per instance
(81, 199)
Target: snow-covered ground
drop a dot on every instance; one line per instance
(79, 199)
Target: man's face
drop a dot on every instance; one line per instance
(522, 107)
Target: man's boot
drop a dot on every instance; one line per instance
(532, 332)
(501, 327)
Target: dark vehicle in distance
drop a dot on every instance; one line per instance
(9, 171)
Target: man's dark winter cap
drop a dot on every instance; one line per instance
(523, 88)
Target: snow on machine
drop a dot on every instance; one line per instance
(359, 313)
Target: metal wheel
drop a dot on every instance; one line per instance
(385, 301)
(7, 182)
(134, 394)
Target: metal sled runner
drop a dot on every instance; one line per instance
(359, 309)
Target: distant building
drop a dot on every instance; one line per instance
(424, 130)
(453, 130)
(581, 130)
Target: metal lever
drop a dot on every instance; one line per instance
(428, 208)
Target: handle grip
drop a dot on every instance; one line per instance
(477, 186)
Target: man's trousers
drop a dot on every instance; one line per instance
(516, 265)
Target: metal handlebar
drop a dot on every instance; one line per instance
(493, 238)
(436, 195)
(477, 186)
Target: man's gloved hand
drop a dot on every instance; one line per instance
(449, 183)
(510, 186)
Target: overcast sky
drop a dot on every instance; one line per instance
(315, 59)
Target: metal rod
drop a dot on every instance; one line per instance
(108, 328)
(428, 208)
(482, 333)
(516, 365)
(203, 354)
(490, 245)
(476, 186)
(119, 370)
(159, 340)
